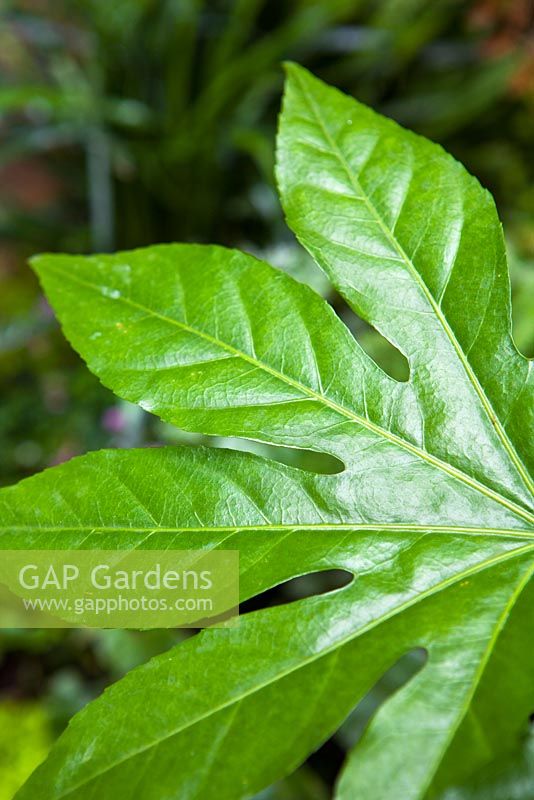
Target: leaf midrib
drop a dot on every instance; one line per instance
(440, 586)
(358, 188)
(505, 533)
(306, 390)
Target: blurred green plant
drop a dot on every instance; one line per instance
(25, 739)
(165, 109)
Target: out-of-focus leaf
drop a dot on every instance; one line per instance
(25, 739)
(509, 778)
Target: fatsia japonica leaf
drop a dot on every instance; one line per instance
(510, 777)
(431, 513)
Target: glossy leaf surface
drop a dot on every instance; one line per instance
(431, 512)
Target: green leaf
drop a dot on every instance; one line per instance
(414, 244)
(511, 778)
(256, 682)
(25, 739)
(431, 512)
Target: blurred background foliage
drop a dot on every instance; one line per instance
(131, 122)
